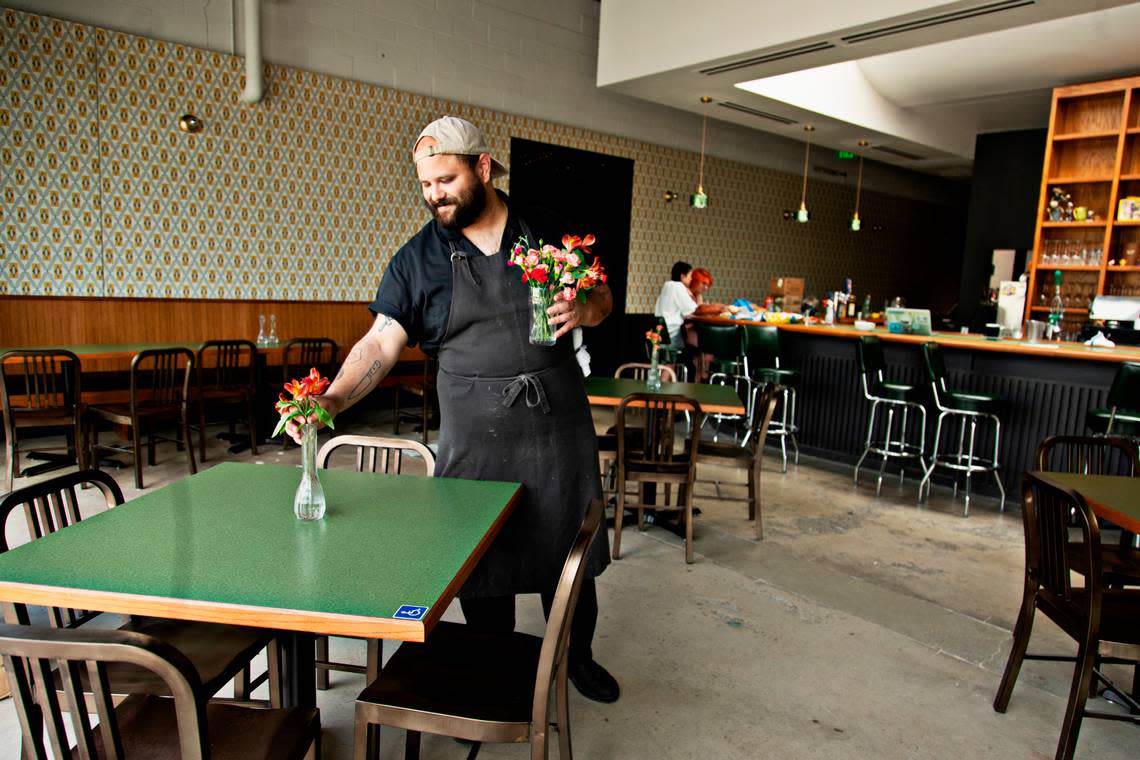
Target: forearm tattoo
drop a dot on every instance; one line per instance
(353, 357)
(384, 324)
(365, 383)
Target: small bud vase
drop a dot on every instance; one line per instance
(309, 501)
(653, 377)
(541, 333)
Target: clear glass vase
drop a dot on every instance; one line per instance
(261, 335)
(309, 501)
(541, 332)
(653, 376)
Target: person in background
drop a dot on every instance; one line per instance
(676, 301)
(700, 280)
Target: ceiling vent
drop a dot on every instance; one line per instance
(936, 20)
(898, 153)
(828, 171)
(778, 55)
(756, 112)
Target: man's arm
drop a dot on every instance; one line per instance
(570, 314)
(369, 362)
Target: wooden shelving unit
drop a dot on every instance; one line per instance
(1093, 152)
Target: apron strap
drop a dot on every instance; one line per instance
(532, 385)
(456, 256)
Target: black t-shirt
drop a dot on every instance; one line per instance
(416, 287)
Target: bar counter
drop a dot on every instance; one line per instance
(1047, 387)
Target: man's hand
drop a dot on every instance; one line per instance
(293, 426)
(567, 315)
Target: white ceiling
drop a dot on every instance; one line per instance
(988, 65)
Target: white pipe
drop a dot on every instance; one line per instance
(254, 84)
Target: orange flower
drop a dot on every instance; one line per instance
(314, 383)
(298, 388)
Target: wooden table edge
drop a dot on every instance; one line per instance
(1099, 508)
(329, 623)
(705, 408)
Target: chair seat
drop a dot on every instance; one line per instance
(121, 413)
(51, 417)
(724, 366)
(1120, 566)
(983, 403)
(1120, 609)
(1126, 422)
(897, 392)
(778, 375)
(150, 729)
(720, 450)
(476, 675)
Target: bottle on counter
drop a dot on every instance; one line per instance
(1056, 308)
(867, 306)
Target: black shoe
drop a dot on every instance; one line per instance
(593, 681)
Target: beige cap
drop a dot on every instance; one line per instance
(453, 135)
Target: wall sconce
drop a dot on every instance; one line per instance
(190, 123)
(802, 215)
(856, 224)
(669, 196)
(787, 215)
(700, 199)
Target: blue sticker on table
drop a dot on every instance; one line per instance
(410, 612)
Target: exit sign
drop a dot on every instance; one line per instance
(844, 154)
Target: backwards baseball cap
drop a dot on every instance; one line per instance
(455, 136)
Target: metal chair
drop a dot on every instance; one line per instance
(762, 364)
(160, 391)
(369, 452)
(142, 725)
(656, 459)
(482, 686)
(217, 652)
(1122, 415)
(969, 409)
(749, 455)
(607, 443)
(889, 397)
(299, 356)
(227, 372)
(40, 389)
(1090, 615)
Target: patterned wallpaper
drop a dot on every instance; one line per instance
(308, 193)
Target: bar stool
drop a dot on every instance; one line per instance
(762, 364)
(890, 397)
(970, 409)
(1122, 416)
(728, 366)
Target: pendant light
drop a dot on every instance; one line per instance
(855, 223)
(802, 215)
(700, 199)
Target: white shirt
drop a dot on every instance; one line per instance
(674, 304)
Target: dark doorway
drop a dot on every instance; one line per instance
(593, 192)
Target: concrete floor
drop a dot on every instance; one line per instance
(860, 627)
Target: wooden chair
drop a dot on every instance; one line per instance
(142, 725)
(482, 686)
(656, 459)
(607, 443)
(370, 452)
(424, 389)
(301, 355)
(160, 392)
(1090, 614)
(226, 378)
(749, 455)
(40, 389)
(217, 652)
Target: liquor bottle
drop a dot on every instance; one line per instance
(851, 305)
(1056, 309)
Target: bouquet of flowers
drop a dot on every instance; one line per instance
(303, 402)
(555, 274)
(655, 337)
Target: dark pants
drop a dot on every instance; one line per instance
(497, 613)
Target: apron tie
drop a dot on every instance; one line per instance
(530, 384)
(457, 256)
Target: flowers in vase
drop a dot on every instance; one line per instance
(303, 402)
(562, 272)
(655, 337)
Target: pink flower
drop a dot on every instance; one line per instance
(574, 260)
(567, 294)
(549, 250)
(532, 259)
(567, 278)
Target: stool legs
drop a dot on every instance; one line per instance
(965, 460)
(893, 445)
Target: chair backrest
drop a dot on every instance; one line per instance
(1088, 455)
(227, 364)
(302, 354)
(657, 450)
(722, 341)
(869, 352)
(556, 638)
(763, 408)
(762, 346)
(935, 367)
(52, 505)
(31, 653)
(38, 380)
(161, 376)
(1125, 390)
(640, 370)
(372, 451)
(1048, 516)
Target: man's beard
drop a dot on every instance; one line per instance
(466, 207)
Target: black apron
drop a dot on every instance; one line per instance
(517, 412)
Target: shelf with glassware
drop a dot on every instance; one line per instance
(1092, 161)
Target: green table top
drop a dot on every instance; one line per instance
(224, 546)
(1113, 497)
(609, 391)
